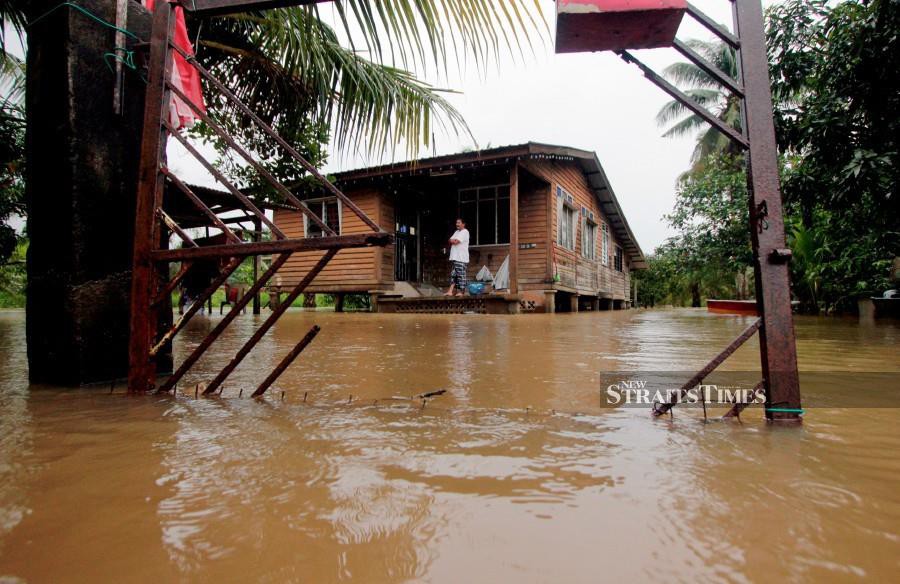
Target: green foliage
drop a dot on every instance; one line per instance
(835, 83)
(711, 254)
(711, 215)
(838, 67)
(12, 278)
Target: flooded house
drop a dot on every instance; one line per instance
(548, 212)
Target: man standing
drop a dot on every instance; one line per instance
(459, 259)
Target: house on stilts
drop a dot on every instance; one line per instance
(549, 209)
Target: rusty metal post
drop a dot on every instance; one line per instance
(778, 352)
(141, 369)
(286, 362)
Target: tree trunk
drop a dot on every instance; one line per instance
(695, 295)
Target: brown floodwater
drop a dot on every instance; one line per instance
(485, 484)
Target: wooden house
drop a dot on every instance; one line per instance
(551, 209)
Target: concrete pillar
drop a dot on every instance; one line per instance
(573, 299)
(549, 301)
(81, 191)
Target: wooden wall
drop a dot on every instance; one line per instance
(534, 269)
(577, 274)
(351, 270)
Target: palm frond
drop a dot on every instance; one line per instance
(416, 31)
(12, 69)
(12, 80)
(686, 126)
(688, 75)
(707, 92)
(290, 67)
(674, 109)
(717, 53)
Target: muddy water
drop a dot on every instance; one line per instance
(472, 488)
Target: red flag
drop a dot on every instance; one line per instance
(184, 76)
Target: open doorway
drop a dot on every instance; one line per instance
(407, 259)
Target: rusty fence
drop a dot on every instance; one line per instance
(152, 329)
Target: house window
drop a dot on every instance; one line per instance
(619, 259)
(566, 225)
(329, 211)
(589, 239)
(486, 213)
(604, 244)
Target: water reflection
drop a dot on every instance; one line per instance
(486, 483)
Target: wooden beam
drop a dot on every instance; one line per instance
(141, 369)
(514, 228)
(276, 246)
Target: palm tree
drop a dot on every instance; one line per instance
(706, 91)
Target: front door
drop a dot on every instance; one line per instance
(406, 244)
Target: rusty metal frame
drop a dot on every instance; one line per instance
(286, 362)
(151, 286)
(777, 342)
(660, 409)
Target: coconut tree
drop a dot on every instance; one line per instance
(705, 90)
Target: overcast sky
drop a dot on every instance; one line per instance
(589, 101)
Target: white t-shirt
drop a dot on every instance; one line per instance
(460, 252)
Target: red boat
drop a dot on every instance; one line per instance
(747, 307)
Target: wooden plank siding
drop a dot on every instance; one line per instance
(533, 266)
(351, 270)
(576, 273)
